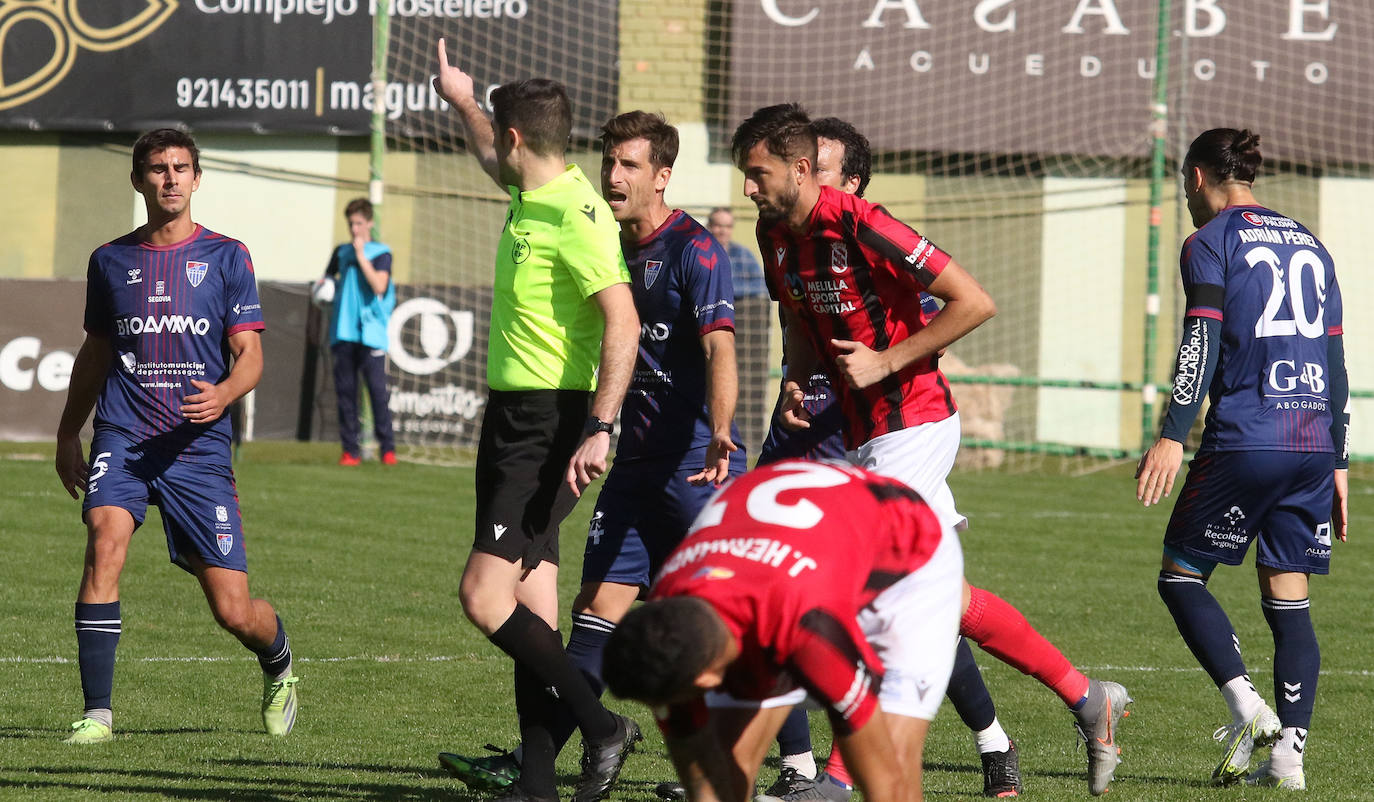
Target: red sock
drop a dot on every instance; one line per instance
(1006, 634)
(835, 767)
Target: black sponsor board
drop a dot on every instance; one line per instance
(283, 65)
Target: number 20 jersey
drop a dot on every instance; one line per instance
(1272, 285)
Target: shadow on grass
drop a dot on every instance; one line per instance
(195, 785)
(46, 733)
(1122, 779)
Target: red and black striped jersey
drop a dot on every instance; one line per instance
(857, 273)
(788, 555)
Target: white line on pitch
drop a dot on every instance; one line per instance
(452, 658)
(349, 659)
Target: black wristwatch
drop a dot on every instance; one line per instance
(594, 425)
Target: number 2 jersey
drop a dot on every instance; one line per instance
(788, 555)
(168, 312)
(1272, 286)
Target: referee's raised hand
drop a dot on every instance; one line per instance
(452, 84)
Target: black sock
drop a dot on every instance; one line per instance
(968, 692)
(535, 704)
(533, 644)
(585, 648)
(97, 634)
(276, 658)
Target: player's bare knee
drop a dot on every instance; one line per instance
(483, 605)
(235, 618)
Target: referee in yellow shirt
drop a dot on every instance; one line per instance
(562, 307)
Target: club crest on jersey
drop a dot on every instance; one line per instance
(652, 268)
(839, 257)
(225, 542)
(1252, 218)
(195, 272)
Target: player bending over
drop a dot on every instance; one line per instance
(800, 577)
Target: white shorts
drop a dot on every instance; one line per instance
(921, 457)
(913, 627)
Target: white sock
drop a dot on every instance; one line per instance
(804, 763)
(992, 739)
(1285, 759)
(1242, 699)
(101, 714)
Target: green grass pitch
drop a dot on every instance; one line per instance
(363, 564)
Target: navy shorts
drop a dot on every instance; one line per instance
(824, 439)
(1280, 498)
(198, 500)
(641, 515)
(528, 438)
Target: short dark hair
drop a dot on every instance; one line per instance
(657, 651)
(361, 206)
(717, 211)
(539, 109)
(1226, 153)
(662, 137)
(784, 128)
(858, 156)
(161, 139)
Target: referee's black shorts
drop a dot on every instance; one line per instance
(528, 437)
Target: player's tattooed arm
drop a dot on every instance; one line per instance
(456, 88)
(208, 403)
(88, 376)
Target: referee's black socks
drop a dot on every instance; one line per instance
(535, 645)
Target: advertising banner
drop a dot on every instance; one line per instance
(40, 333)
(278, 65)
(1073, 77)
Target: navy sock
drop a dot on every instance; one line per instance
(967, 691)
(795, 736)
(587, 644)
(532, 643)
(585, 648)
(97, 634)
(276, 658)
(1297, 659)
(1203, 625)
